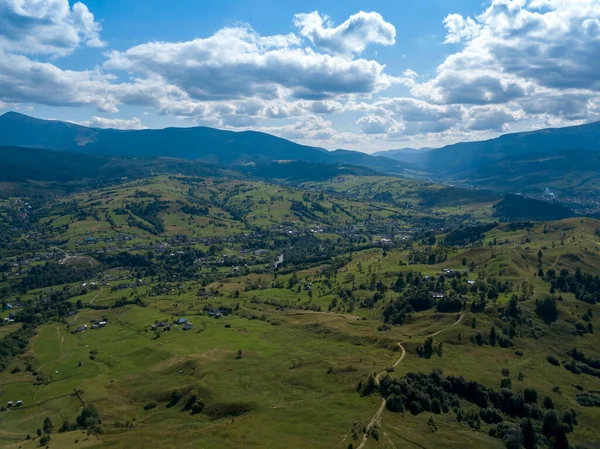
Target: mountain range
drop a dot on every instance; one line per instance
(198, 143)
(561, 163)
(554, 162)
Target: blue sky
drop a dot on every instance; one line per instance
(355, 74)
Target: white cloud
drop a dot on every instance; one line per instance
(326, 107)
(460, 29)
(529, 53)
(46, 27)
(410, 74)
(25, 81)
(492, 118)
(520, 63)
(115, 123)
(375, 124)
(349, 38)
(236, 63)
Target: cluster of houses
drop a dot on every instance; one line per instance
(98, 324)
(181, 321)
(216, 312)
(94, 325)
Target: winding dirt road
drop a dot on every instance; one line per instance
(382, 406)
(377, 415)
(447, 327)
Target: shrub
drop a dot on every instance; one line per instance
(415, 407)
(197, 408)
(588, 400)
(150, 405)
(375, 433)
(530, 395)
(546, 309)
(553, 360)
(44, 440)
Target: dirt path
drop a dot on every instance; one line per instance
(62, 338)
(97, 294)
(381, 408)
(446, 328)
(91, 302)
(556, 261)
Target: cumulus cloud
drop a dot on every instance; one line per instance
(519, 61)
(238, 63)
(46, 27)
(25, 81)
(494, 118)
(326, 107)
(530, 53)
(408, 116)
(375, 124)
(115, 123)
(349, 38)
(460, 29)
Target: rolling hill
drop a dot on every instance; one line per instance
(197, 143)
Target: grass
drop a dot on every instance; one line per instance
(295, 382)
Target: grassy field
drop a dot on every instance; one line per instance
(283, 369)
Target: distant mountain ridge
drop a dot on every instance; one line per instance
(557, 163)
(198, 143)
(408, 155)
(564, 162)
(67, 171)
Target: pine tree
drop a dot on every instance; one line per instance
(493, 336)
(529, 436)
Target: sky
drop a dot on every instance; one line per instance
(354, 74)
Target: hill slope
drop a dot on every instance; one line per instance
(33, 164)
(208, 144)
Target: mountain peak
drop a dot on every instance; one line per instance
(17, 116)
(13, 114)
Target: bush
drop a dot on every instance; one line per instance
(553, 360)
(375, 433)
(588, 400)
(415, 407)
(45, 439)
(548, 403)
(546, 309)
(197, 408)
(530, 395)
(48, 426)
(150, 405)
(490, 415)
(89, 417)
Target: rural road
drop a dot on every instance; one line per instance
(446, 328)
(62, 338)
(382, 406)
(97, 294)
